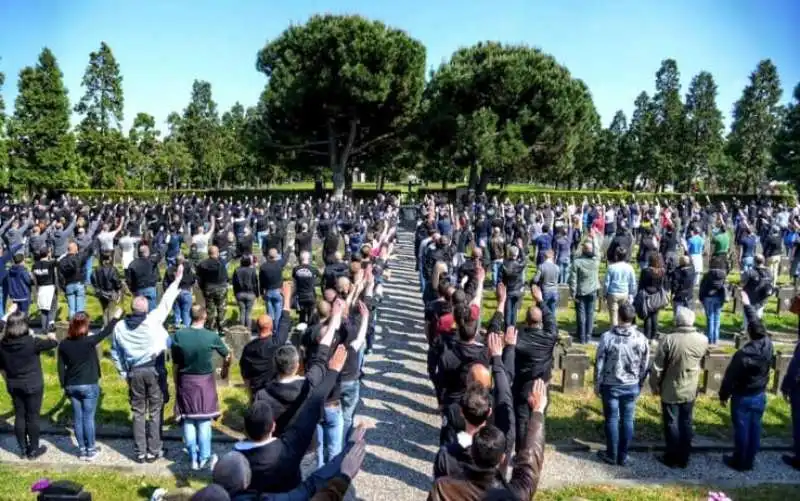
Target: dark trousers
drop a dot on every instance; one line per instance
(619, 407)
(305, 311)
(147, 402)
(584, 316)
(245, 301)
(677, 432)
(746, 414)
(795, 399)
(216, 303)
(522, 412)
(27, 406)
(651, 325)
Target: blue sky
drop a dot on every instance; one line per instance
(615, 46)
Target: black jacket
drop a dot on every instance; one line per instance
(77, 358)
(245, 279)
(211, 273)
(257, 362)
(712, 284)
(106, 281)
(748, 372)
(534, 352)
(682, 282)
(270, 275)
(71, 268)
(19, 358)
(453, 365)
(142, 273)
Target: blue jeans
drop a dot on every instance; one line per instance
(512, 307)
(84, 404)
(330, 435)
(746, 414)
(197, 438)
(151, 295)
(87, 273)
(182, 309)
(2, 302)
(350, 396)
(496, 265)
(171, 261)
(748, 262)
(619, 407)
(76, 298)
(551, 301)
(421, 279)
(563, 272)
(584, 316)
(713, 307)
(274, 301)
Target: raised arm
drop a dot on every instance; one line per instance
(165, 306)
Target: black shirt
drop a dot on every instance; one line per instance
(333, 272)
(77, 358)
(142, 273)
(44, 271)
(19, 358)
(257, 362)
(270, 275)
(303, 241)
(211, 273)
(245, 279)
(305, 278)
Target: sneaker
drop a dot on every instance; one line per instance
(141, 458)
(625, 462)
(195, 466)
(37, 452)
(152, 458)
(209, 463)
(604, 457)
(92, 454)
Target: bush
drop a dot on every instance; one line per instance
(279, 192)
(515, 192)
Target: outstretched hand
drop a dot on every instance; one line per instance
(538, 396)
(495, 344)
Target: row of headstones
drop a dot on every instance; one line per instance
(573, 362)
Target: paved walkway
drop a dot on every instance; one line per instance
(398, 402)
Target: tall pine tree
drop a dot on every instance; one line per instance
(143, 137)
(103, 148)
(42, 145)
(669, 125)
(704, 141)
(787, 144)
(638, 141)
(756, 119)
(3, 138)
(199, 129)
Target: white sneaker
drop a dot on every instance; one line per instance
(210, 462)
(195, 466)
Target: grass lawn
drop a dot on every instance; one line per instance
(106, 485)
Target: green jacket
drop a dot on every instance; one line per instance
(584, 275)
(676, 366)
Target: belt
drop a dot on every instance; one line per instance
(332, 405)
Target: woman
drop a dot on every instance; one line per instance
(107, 285)
(19, 360)
(651, 281)
(79, 374)
(712, 295)
(682, 282)
(745, 384)
(44, 276)
(245, 288)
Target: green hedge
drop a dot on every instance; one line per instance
(236, 194)
(516, 192)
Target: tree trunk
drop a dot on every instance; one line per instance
(483, 182)
(337, 169)
(383, 180)
(473, 175)
(444, 183)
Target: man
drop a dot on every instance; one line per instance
(482, 479)
(59, 237)
(475, 407)
(142, 276)
(270, 277)
(790, 388)
(305, 276)
(195, 386)
(620, 369)
(757, 283)
(85, 240)
(275, 461)
(547, 280)
(620, 284)
(676, 372)
(584, 281)
(71, 269)
(137, 350)
(18, 282)
(105, 238)
(213, 280)
(181, 310)
(257, 362)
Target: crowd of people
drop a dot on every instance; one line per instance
(490, 370)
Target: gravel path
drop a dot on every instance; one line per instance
(398, 403)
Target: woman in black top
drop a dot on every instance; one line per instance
(245, 288)
(19, 360)
(651, 280)
(79, 373)
(44, 276)
(107, 285)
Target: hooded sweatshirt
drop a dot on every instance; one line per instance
(622, 357)
(17, 284)
(141, 337)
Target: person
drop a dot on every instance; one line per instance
(107, 286)
(79, 375)
(21, 364)
(5, 257)
(745, 384)
(17, 284)
(182, 308)
(245, 289)
(563, 247)
(651, 282)
(483, 480)
(620, 284)
(675, 374)
(201, 238)
(142, 275)
(270, 278)
(695, 245)
(773, 247)
(305, 276)
(475, 407)
(195, 386)
(71, 268)
(584, 282)
(275, 461)
(257, 362)
(137, 350)
(757, 283)
(44, 277)
(682, 283)
(620, 369)
(213, 280)
(712, 294)
(790, 389)
(547, 280)
(127, 246)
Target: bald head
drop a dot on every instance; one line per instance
(72, 248)
(213, 252)
(264, 324)
(533, 317)
(588, 247)
(477, 253)
(139, 304)
(479, 374)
